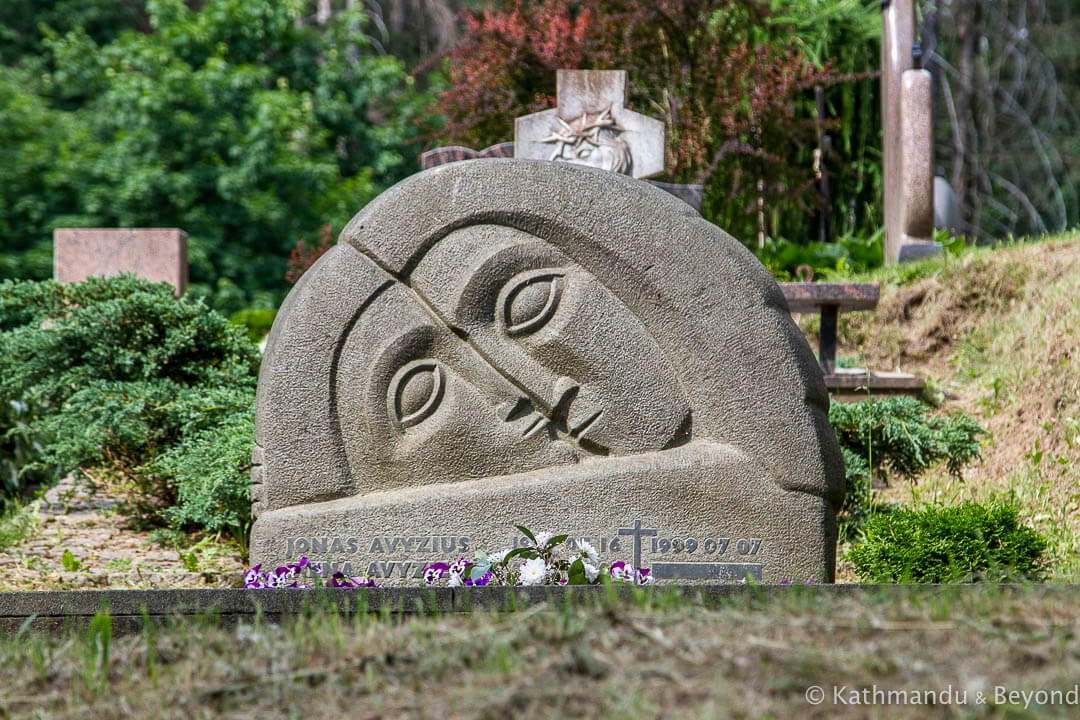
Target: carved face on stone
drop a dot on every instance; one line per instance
(501, 356)
(593, 140)
(606, 151)
(497, 342)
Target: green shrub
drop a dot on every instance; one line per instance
(19, 447)
(256, 323)
(898, 434)
(858, 496)
(895, 434)
(119, 373)
(210, 470)
(963, 543)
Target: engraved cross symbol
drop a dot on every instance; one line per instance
(637, 532)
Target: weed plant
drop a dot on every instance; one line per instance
(17, 523)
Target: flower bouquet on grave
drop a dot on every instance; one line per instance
(550, 560)
(292, 576)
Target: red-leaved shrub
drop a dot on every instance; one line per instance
(304, 255)
(736, 102)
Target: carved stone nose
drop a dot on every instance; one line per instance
(562, 394)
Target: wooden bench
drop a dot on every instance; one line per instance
(830, 299)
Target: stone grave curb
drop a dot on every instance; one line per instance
(53, 610)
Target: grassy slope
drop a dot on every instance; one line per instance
(999, 332)
(747, 658)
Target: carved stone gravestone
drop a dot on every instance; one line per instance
(501, 342)
(591, 126)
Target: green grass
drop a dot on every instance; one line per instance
(656, 656)
(912, 272)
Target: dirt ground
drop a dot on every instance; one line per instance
(105, 552)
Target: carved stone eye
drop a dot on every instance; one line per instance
(530, 302)
(415, 391)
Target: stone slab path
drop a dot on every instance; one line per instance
(105, 552)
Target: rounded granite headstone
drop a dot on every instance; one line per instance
(503, 342)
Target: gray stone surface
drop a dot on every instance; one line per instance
(914, 252)
(916, 143)
(495, 342)
(57, 610)
(591, 126)
(907, 139)
(156, 254)
(946, 211)
(52, 611)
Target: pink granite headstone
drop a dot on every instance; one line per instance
(156, 254)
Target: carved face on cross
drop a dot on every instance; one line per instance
(593, 140)
(591, 125)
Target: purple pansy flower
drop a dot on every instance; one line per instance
(435, 571)
(253, 578)
(341, 580)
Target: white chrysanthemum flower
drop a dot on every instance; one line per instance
(533, 571)
(591, 571)
(498, 557)
(590, 552)
(543, 537)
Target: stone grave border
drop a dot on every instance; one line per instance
(61, 610)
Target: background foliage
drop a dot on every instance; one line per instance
(733, 86)
(253, 123)
(1006, 121)
(236, 122)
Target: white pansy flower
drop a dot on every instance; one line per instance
(454, 581)
(533, 571)
(590, 552)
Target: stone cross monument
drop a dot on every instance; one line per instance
(591, 126)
